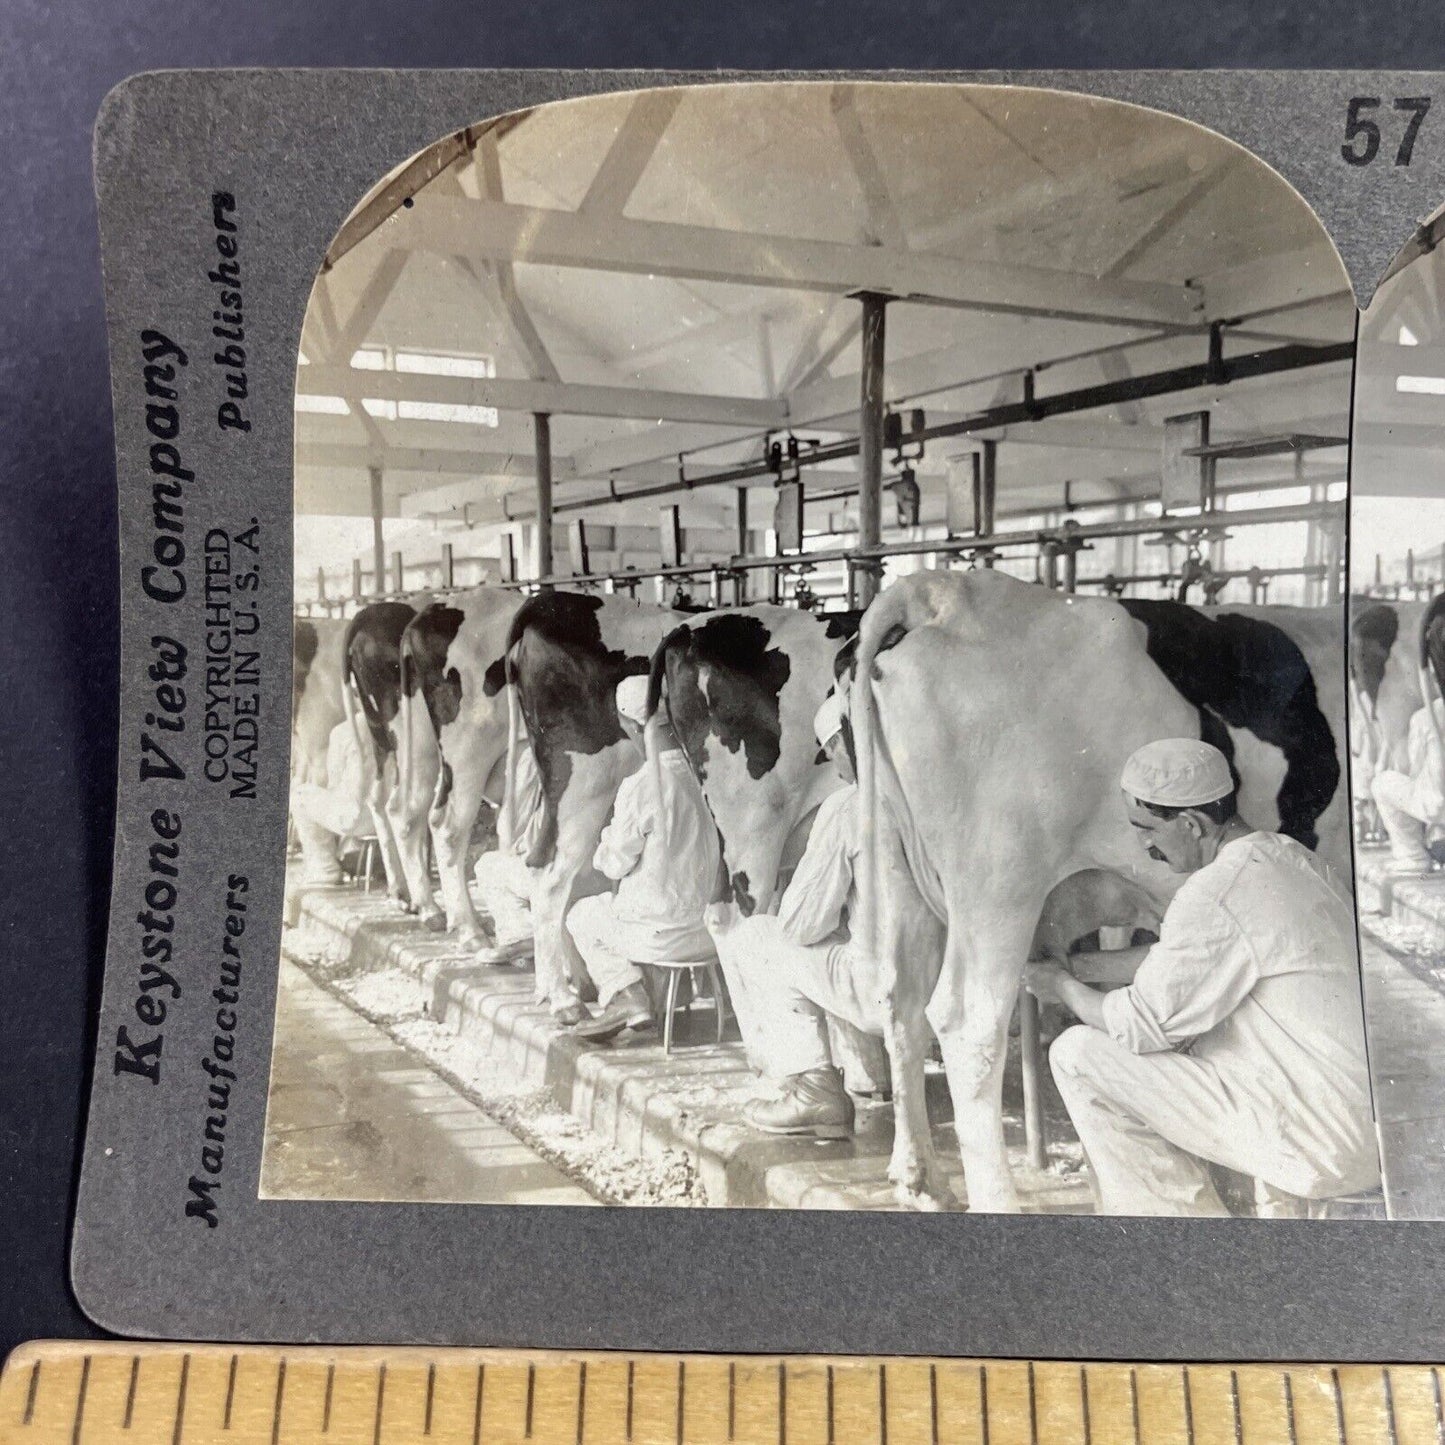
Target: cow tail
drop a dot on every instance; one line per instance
(657, 669)
(406, 704)
(507, 813)
(880, 790)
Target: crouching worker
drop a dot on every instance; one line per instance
(326, 815)
(661, 849)
(1412, 803)
(1241, 1040)
(788, 974)
(504, 882)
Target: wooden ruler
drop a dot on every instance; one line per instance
(65, 1393)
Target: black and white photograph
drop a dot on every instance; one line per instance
(1397, 663)
(821, 672)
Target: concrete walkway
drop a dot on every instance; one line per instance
(1406, 1023)
(353, 1115)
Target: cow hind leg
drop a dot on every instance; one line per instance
(407, 816)
(459, 800)
(970, 1012)
(376, 805)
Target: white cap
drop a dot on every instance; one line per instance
(632, 698)
(1177, 773)
(828, 720)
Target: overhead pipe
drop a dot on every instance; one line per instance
(1217, 371)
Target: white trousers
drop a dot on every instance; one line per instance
(322, 819)
(1394, 796)
(1148, 1123)
(802, 1007)
(505, 884)
(612, 946)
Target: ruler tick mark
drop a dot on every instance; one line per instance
(1339, 1406)
(733, 1395)
(1188, 1408)
(1033, 1409)
(130, 1392)
(1134, 1401)
(983, 1402)
(631, 1367)
(933, 1404)
(581, 1398)
(280, 1396)
(181, 1400)
(1389, 1405)
(1084, 1404)
(831, 1439)
(326, 1404)
(681, 1396)
(1439, 1406)
(230, 1393)
(531, 1395)
(80, 1401)
(1289, 1409)
(782, 1404)
(477, 1404)
(431, 1385)
(883, 1404)
(380, 1402)
(35, 1385)
(1234, 1405)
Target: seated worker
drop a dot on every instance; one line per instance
(788, 974)
(502, 877)
(325, 815)
(661, 849)
(1413, 802)
(1241, 1040)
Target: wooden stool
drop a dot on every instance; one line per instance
(675, 971)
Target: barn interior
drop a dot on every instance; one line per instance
(738, 338)
(790, 342)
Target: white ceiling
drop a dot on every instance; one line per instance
(676, 266)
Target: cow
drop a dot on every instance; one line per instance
(316, 705)
(567, 652)
(740, 688)
(992, 721)
(401, 795)
(453, 664)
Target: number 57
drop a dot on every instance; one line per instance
(1362, 134)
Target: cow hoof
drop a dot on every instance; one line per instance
(921, 1201)
(434, 922)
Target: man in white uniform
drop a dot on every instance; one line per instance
(788, 973)
(502, 877)
(1241, 1040)
(1411, 803)
(661, 848)
(326, 815)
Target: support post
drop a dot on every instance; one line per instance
(378, 540)
(356, 579)
(870, 443)
(542, 430)
(449, 567)
(741, 587)
(985, 493)
(398, 573)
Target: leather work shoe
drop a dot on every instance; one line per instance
(630, 1009)
(816, 1106)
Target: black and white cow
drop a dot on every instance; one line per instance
(453, 665)
(567, 652)
(405, 780)
(741, 689)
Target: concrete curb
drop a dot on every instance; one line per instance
(633, 1095)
